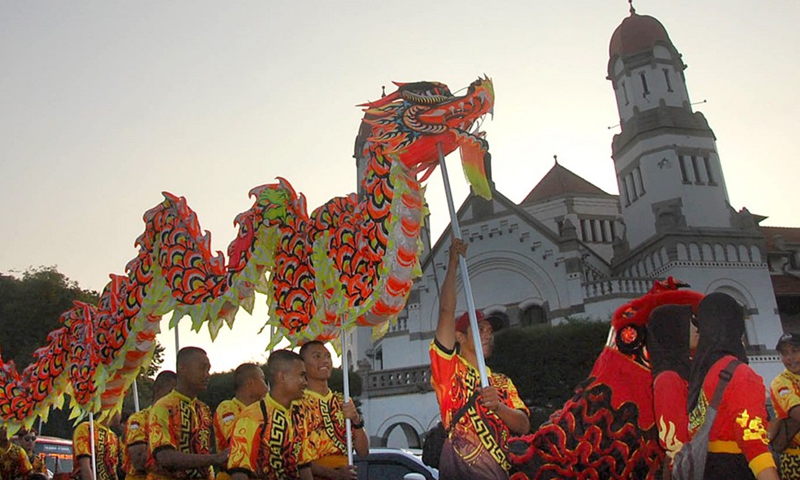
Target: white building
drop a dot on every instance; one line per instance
(571, 249)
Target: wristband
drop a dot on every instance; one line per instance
(359, 425)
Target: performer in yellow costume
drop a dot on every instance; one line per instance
(270, 437)
(325, 413)
(250, 386)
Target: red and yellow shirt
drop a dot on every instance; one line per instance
(14, 463)
(670, 391)
(327, 435)
(183, 424)
(135, 434)
(785, 394)
(106, 449)
(271, 446)
(224, 417)
(740, 425)
(454, 381)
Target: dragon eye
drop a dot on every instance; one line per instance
(628, 335)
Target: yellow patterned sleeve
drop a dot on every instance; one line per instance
(308, 453)
(136, 431)
(160, 434)
(513, 397)
(784, 395)
(224, 418)
(245, 442)
(80, 441)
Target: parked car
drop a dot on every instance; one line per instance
(393, 464)
(58, 454)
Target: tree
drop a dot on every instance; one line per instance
(547, 363)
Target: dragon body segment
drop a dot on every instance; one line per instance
(350, 262)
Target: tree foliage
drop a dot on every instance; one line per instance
(547, 363)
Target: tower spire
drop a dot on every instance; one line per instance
(632, 10)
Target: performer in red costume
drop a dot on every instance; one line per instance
(738, 446)
(668, 340)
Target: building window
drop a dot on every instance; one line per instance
(666, 77)
(623, 189)
(631, 187)
(533, 315)
(684, 170)
(644, 83)
(625, 92)
(638, 182)
(696, 168)
(707, 163)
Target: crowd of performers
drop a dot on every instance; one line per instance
(288, 423)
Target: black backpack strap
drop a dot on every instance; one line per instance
(725, 376)
(460, 413)
(263, 405)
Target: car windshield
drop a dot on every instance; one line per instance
(58, 454)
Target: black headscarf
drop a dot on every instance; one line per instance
(721, 325)
(668, 339)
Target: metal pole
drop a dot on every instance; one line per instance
(346, 384)
(91, 443)
(462, 263)
(177, 345)
(135, 396)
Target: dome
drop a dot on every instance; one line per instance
(635, 34)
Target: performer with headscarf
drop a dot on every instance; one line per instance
(738, 445)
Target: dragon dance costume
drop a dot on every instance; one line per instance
(478, 445)
(106, 447)
(180, 423)
(270, 441)
(738, 446)
(14, 463)
(135, 434)
(785, 394)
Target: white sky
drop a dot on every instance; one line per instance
(104, 104)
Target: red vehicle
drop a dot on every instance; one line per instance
(58, 454)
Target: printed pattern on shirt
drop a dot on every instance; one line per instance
(481, 431)
(271, 448)
(183, 424)
(326, 424)
(106, 446)
(14, 463)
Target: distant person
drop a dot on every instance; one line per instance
(27, 440)
(785, 394)
(271, 436)
(249, 386)
(498, 410)
(106, 449)
(135, 449)
(738, 446)
(14, 463)
(325, 413)
(179, 425)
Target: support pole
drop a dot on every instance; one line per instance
(346, 384)
(135, 396)
(462, 263)
(91, 443)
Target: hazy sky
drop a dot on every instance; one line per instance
(105, 104)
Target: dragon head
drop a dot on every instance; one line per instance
(419, 118)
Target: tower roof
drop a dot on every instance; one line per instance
(561, 181)
(635, 34)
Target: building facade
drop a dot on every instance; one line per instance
(569, 249)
